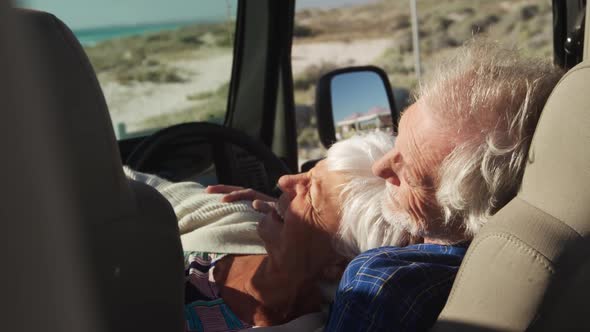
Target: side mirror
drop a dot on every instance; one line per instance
(354, 100)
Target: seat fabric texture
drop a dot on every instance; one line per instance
(128, 231)
(529, 267)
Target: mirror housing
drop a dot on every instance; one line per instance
(354, 99)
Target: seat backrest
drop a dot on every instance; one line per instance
(126, 231)
(529, 267)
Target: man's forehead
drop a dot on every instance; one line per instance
(410, 117)
(430, 139)
(402, 114)
(419, 119)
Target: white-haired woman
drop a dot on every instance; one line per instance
(323, 218)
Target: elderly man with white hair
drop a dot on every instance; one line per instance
(458, 158)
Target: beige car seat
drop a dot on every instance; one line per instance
(88, 249)
(529, 267)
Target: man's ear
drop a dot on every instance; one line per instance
(333, 272)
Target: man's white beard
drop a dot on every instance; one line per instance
(393, 213)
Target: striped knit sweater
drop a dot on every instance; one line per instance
(205, 223)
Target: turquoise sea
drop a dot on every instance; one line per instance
(90, 37)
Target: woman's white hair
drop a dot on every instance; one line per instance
(362, 225)
(488, 100)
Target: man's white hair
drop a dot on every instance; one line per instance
(488, 100)
(362, 225)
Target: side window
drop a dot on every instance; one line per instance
(526, 24)
(159, 63)
(331, 34)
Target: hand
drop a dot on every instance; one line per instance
(263, 206)
(236, 193)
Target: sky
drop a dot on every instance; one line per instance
(80, 14)
(357, 93)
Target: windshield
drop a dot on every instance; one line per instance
(331, 34)
(159, 63)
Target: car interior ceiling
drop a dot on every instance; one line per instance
(75, 217)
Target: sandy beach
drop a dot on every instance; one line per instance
(361, 52)
(130, 103)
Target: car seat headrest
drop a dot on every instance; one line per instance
(557, 176)
(92, 154)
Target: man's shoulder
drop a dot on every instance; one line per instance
(406, 285)
(394, 258)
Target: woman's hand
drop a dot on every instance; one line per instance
(236, 193)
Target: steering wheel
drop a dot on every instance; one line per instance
(145, 155)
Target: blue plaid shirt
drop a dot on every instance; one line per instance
(395, 288)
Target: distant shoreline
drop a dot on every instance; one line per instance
(95, 35)
(153, 24)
